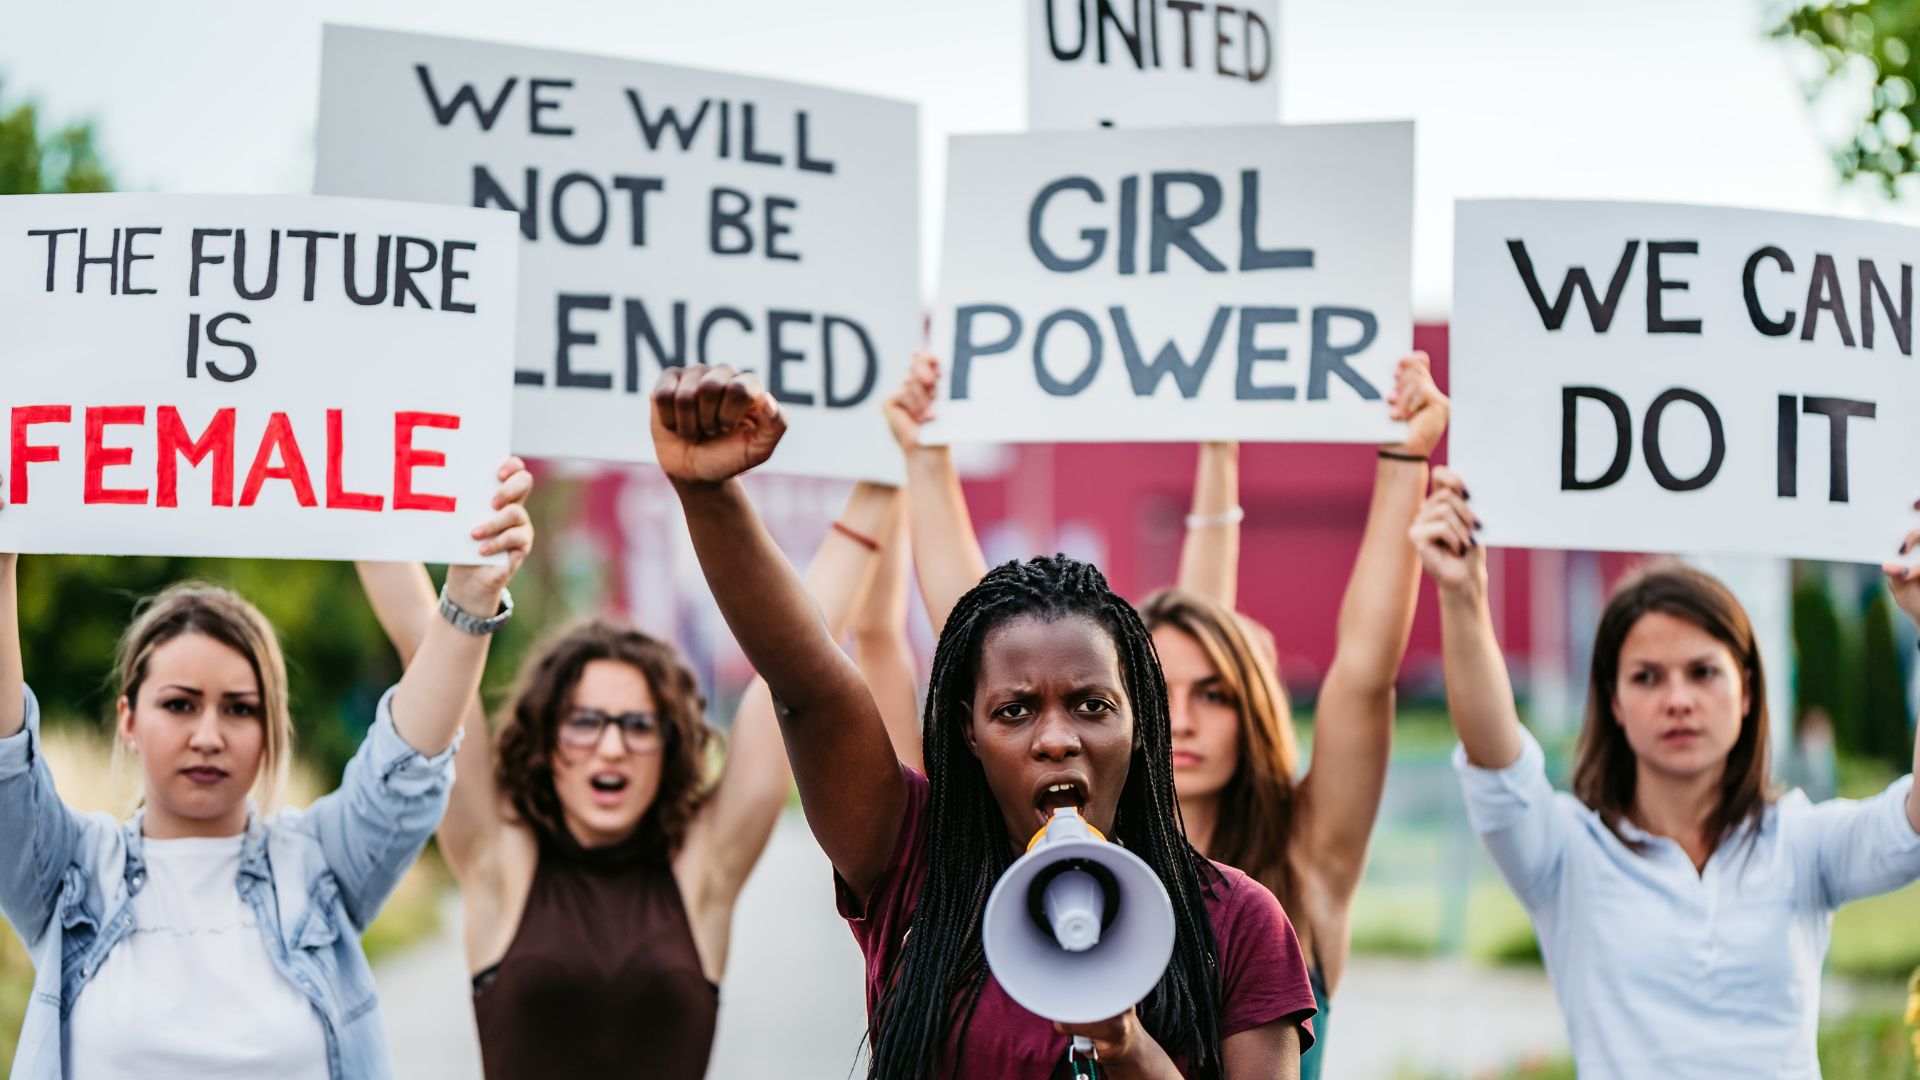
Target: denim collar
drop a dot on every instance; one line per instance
(253, 852)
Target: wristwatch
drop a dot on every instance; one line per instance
(467, 621)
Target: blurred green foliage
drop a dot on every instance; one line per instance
(1869, 45)
(73, 609)
(33, 162)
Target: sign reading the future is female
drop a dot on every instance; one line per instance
(252, 376)
(1247, 283)
(1646, 377)
(668, 216)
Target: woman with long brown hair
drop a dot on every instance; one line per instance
(598, 863)
(1235, 759)
(1683, 905)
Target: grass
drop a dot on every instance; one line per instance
(1866, 1045)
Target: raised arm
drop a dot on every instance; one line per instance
(403, 600)
(746, 801)
(13, 677)
(709, 426)
(1904, 582)
(1479, 694)
(946, 553)
(39, 834)
(1353, 721)
(1210, 549)
(881, 648)
(438, 687)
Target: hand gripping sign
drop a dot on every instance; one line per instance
(667, 216)
(252, 376)
(1647, 377)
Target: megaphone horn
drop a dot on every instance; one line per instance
(1077, 930)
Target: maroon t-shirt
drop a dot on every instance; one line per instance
(1263, 975)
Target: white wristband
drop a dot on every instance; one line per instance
(1231, 517)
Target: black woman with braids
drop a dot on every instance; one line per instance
(1045, 692)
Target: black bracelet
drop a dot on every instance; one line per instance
(1395, 455)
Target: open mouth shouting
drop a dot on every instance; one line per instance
(608, 787)
(1058, 790)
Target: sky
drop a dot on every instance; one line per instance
(1667, 100)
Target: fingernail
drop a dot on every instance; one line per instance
(1478, 524)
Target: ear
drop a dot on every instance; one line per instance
(123, 710)
(966, 727)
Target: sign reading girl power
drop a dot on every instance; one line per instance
(1680, 378)
(252, 376)
(1246, 283)
(1152, 63)
(669, 216)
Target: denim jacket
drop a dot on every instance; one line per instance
(315, 878)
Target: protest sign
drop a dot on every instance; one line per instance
(252, 376)
(1152, 63)
(1646, 377)
(668, 216)
(1157, 285)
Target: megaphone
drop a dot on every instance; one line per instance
(1077, 930)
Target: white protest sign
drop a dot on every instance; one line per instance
(669, 216)
(1246, 283)
(255, 376)
(1152, 63)
(1646, 377)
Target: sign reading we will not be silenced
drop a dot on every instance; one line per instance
(668, 216)
(1644, 377)
(1248, 283)
(258, 376)
(1151, 63)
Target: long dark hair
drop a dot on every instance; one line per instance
(1255, 826)
(1604, 767)
(936, 979)
(529, 734)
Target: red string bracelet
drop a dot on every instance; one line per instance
(856, 536)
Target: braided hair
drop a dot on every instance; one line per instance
(936, 978)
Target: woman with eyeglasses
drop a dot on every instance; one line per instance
(598, 866)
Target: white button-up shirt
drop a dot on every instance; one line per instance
(1663, 971)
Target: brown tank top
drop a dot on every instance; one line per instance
(602, 977)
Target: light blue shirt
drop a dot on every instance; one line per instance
(315, 878)
(1663, 971)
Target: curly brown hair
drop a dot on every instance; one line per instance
(529, 733)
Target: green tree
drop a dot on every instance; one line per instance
(1884, 717)
(33, 162)
(1820, 643)
(1859, 41)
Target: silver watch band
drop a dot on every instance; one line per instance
(464, 620)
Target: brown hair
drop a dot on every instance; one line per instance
(192, 607)
(1252, 828)
(1604, 765)
(523, 768)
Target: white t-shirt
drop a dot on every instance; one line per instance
(192, 994)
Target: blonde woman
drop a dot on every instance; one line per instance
(209, 936)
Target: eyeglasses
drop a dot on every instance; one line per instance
(641, 731)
